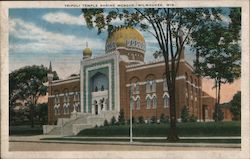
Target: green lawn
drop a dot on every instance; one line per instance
(25, 130)
(161, 130)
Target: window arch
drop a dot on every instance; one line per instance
(148, 100)
(150, 86)
(137, 87)
(66, 102)
(166, 102)
(154, 102)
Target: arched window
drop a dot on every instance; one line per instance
(137, 88)
(166, 101)
(150, 86)
(56, 110)
(154, 102)
(99, 82)
(153, 86)
(66, 109)
(148, 102)
(66, 97)
(138, 103)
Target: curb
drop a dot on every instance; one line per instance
(219, 145)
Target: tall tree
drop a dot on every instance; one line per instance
(27, 84)
(218, 52)
(171, 27)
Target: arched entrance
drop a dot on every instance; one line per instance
(99, 92)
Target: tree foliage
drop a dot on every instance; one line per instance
(218, 50)
(236, 106)
(27, 84)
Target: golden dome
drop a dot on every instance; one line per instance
(125, 37)
(87, 52)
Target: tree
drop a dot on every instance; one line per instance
(113, 121)
(184, 114)
(171, 27)
(141, 120)
(218, 114)
(236, 106)
(42, 112)
(121, 118)
(27, 84)
(218, 54)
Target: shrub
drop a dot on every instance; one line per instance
(105, 123)
(193, 118)
(236, 106)
(153, 119)
(141, 120)
(163, 118)
(184, 114)
(113, 121)
(121, 118)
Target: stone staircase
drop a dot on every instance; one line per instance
(76, 123)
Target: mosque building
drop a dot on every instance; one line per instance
(120, 79)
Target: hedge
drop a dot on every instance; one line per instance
(158, 130)
(25, 130)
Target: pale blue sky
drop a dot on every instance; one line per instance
(38, 36)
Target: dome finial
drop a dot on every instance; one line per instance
(87, 52)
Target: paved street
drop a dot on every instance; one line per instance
(35, 146)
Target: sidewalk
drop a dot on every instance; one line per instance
(38, 138)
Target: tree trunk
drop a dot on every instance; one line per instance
(219, 88)
(32, 115)
(172, 136)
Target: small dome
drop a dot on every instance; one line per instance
(126, 37)
(87, 52)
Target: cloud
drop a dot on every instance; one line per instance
(36, 39)
(64, 18)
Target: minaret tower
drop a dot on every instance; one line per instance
(87, 52)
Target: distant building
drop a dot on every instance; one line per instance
(120, 79)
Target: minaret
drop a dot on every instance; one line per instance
(87, 52)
